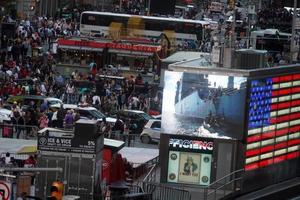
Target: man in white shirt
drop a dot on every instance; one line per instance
(96, 101)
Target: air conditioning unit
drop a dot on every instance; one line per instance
(250, 59)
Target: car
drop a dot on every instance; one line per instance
(137, 117)
(26, 99)
(5, 115)
(85, 112)
(156, 116)
(151, 131)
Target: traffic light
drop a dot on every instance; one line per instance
(56, 190)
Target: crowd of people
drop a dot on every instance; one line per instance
(21, 73)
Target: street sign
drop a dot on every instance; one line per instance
(5, 190)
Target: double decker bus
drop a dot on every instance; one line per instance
(146, 27)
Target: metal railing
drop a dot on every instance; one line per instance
(151, 176)
(17, 131)
(224, 186)
(160, 191)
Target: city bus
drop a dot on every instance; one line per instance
(270, 39)
(146, 27)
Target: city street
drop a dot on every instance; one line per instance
(86, 87)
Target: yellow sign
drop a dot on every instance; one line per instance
(115, 30)
(135, 27)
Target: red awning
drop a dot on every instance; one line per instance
(188, 1)
(99, 45)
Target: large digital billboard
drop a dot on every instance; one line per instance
(190, 160)
(273, 133)
(204, 104)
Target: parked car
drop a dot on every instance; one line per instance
(137, 117)
(38, 100)
(86, 112)
(5, 115)
(151, 131)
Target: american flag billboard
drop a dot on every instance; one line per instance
(273, 133)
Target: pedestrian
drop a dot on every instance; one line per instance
(105, 128)
(96, 101)
(43, 121)
(60, 117)
(69, 119)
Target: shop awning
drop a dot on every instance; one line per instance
(28, 150)
(130, 53)
(80, 48)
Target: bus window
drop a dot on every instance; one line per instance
(89, 19)
(189, 28)
(152, 25)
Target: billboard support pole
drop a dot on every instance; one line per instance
(292, 48)
(149, 4)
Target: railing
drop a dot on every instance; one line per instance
(224, 186)
(22, 131)
(160, 191)
(30, 132)
(151, 176)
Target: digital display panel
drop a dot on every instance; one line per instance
(190, 160)
(204, 104)
(273, 133)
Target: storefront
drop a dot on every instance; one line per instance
(130, 58)
(77, 54)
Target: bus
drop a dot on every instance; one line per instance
(270, 39)
(146, 27)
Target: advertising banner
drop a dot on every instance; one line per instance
(190, 160)
(65, 144)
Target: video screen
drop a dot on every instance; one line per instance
(204, 104)
(187, 167)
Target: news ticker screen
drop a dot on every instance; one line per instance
(273, 133)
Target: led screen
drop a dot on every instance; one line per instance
(187, 167)
(190, 160)
(273, 132)
(203, 104)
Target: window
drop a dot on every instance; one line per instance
(84, 113)
(156, 125)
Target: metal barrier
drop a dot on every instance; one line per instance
(161, 191)
(30, 132)
(151, 176)
(21, 131)
(224, 186)
(18, 131)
